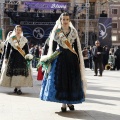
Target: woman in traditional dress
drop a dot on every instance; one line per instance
(15, 72)
(64, 80)
(5, 43)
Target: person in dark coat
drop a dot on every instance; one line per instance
(98, 58)
(90, 57)
(36, 56)
(105, 56)
(85, 56)
(117, 58)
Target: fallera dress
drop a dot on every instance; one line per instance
(64, 84)
(16, 72)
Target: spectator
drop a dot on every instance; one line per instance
(97, 58)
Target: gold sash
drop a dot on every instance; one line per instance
(18, 47)
(67, 43)
(20, 51)
(70, 47)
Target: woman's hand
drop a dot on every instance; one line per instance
(6, 61)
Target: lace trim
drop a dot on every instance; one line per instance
(71, 38)
(16, 71)
(22, 42)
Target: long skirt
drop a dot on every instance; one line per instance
(15, 80)
(63, 84)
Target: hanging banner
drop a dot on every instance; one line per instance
(47, 5)
(37, 32)
(105, 31)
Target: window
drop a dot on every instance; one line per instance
(114, 25)
(114, 11)
(114, 38)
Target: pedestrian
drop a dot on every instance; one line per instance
(111, 60)
(85, 57)
(15, 71)
(90, 57)
(64, 81)
(39, 67)
(31, 51)
(105, 55)
(97, 52)
(36, 56)
(117, 58)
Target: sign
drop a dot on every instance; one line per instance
(37, 32)
(47, 5)
(105, 28)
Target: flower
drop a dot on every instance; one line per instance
(28, 57)
(45, 64)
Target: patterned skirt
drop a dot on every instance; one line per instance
(63, 84)
(16, 73)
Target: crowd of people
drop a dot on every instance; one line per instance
(102, 58)
(62, 63)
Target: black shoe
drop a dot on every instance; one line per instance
(71, 107)
(15, 90)
(100, 75)
(63, 109)
(19, 92)
(95, 75)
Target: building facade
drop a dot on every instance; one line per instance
(114, 13)
(95, 9)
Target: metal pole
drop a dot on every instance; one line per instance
(75, 19)
(87, 23)
(2, 18)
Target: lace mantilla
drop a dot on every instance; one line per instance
(22, 42)
(60, 37)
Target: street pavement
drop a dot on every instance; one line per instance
(102, 101)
